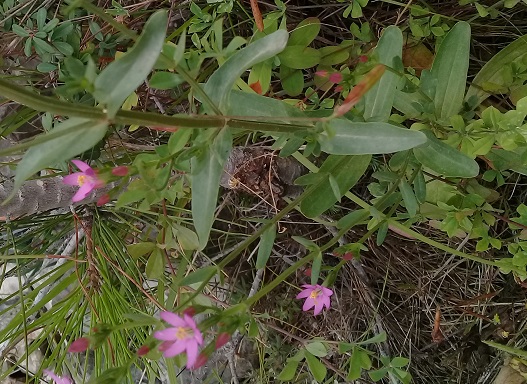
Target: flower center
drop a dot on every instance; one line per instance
(183, 333)
(82, 179)
(315, 293)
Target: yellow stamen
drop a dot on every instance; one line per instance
(183, 333)
(81, 180)
(314, 294)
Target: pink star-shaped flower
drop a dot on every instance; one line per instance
(58, 379)
(316, 296)
(86, 179)
(184, 336)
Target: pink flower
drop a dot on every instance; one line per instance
(316, 296)
(322, 73)
(86, 179)
(58, 379)
(183, 336)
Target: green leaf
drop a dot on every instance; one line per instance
(261, 72)
(317, 348)
(379, 338)
(305, 32)
(188, 240)
(378, 374)
(355, 362)
(121, 77)
(165, 80)
(410, 201)
(506, 348)
(378, 101)
(333, 55)
(309, 244)
(199, 275)
(399, 362)
(40, 17)
(20, 31)
(251, 104)
(206, 171)
(155, 264)
(450, 71)
(266, 246)
(318, 370)
(178, 140)
(140, 249)
(315, 267)
(352, 138)
(289, 371)
(43, 45)
(420, 187)
(346, 171)
(445, 160)
(299, 57)
(292, 80)
(68, 139)
(334, 187)
(381, 233)
(221, 82)
(64, 48)
(495, 70)
(353, 218)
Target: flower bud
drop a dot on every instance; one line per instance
(120, 171)
(222, 339)
(104, 199)
(200, 361)
(143, 350)
(79, 345)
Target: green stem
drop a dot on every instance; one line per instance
(41, 103)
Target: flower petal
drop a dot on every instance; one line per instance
(78, 196)
(81, 165)
(308, 304)
(82, 193)
(326, 291)
(192, 353)
(72, 179)
(51, 374)
(168, 334)
(175, 349)
(173, 319)
(309, 286)
(318, 307)
(326, 302)
(305, 293)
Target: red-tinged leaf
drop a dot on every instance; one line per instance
(256, 87)
(360, 90)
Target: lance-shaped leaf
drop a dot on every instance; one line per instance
(445, 160)
(67, 139)
(206, 171)
(121, 77)
(497, 72)
(221, 82)
(346, 171)
(450, 71)
(379, 99)
(344, 137)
